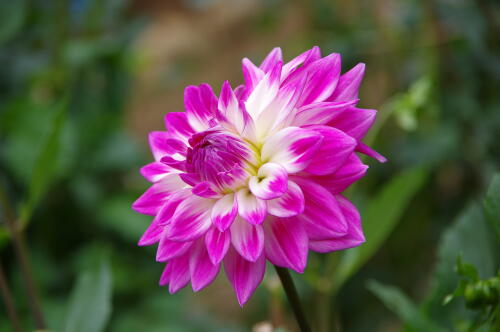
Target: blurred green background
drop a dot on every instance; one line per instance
(82, 82)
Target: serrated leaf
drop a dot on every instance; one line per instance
(381, 216)
(90, 304)
(396, 301)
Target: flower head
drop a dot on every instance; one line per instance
(257, 173)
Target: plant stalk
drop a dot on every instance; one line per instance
(9, 302)
(293, 298)
(24, 263)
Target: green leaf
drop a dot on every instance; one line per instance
(466, 270)
(90, 304)
(401, 305)
(46, 163)
(379, 219)
(491, 204)
(12, 16)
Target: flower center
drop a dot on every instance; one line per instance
(219, 158)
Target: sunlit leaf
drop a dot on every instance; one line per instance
(379, 219)
(90, 304)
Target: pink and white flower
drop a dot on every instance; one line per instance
(257, 174)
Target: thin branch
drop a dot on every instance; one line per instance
(24, 263)
(9, 302)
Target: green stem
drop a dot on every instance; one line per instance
(293, 298)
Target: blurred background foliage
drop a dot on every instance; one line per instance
(83, 81)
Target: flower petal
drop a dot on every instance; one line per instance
(292, 148)
(321, 113)
(288, 205)
(286, 243)
(365, 149)
(155, 171)
(165, 275)
(152, 200)
(177, 124)
(354, 121)
(251, 208)
(158, 141)
(191, 219)
(233, 112)
(168, 209)
(224, 212)
(323, 76)
(303, 59)
(336, 147)
(201, 268)
(179, 273)
(354, 236)
(247, 239)
(217, 243)
(322, 217)
(170, 249)
(204, 189)
(245, 276)
(272, 59)
(352, 170)
(152, 234)
(201, 106)
(264, 93)
(270, 182)
(348, 86)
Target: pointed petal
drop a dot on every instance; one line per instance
(247, 239)
(177, 124)
(201, 105)
(152, 234)
(288, 205)
(224, 212)
(354, 121)
(352, 170)
(365, 149)
(155, 171)
(170, 249)
(286, 243)
(272, 59)
(204, 189)
(202, 270)
(354, 236)
(348, 86)
(168, 209)
(270, 182)
(292, 148)
(217, 243)
(304, 59)
(322, 217)
(159, 143)
(264, 93)
(191, 219)
(179, 273)
(152, 200)
(251, 208)
(279, 113)
(165, 275)
(335, 148)
(321, 113)
(323, 76)
(245, 276)
(252, 75)
(233, 112)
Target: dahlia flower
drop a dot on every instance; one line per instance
(257, 174)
